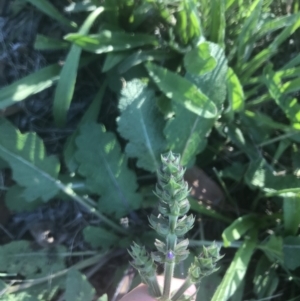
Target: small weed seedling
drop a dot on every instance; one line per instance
(172, 223)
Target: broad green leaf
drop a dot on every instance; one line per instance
(105, 168)
(99, 237)
(181, 91)
(17, 257)
(47, 8)
(265, 279)
(15, 201)
(187, 132)
(235, 91)
(108, 41)
(46, 43)
(32, 169)
(291, 214)
(238, 228)
(260, 174)
(103, 298)
(90, 115)
(66, 85)
(217, 22)
(29, 85)
(273, 248)
(78, 287)
(213, 84)
(142, 125)
(291, 252)
(199, 60)
(237, 269)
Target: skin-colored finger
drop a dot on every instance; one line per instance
(140, 293)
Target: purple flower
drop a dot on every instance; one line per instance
(170, 255)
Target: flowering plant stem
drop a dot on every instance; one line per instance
(172, 223)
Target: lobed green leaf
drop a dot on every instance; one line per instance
(142, 124)
(105, 168)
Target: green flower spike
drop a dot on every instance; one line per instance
(146, 267)
(172, 224)
(204, 265)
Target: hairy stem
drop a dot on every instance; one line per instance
(154, 287)
(171, 240)
(187, 283)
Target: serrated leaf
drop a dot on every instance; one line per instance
(142, 124)
(100, 238)
(237, 269)
(32, 169)
(90, 115)
(199, 60)
(182, 91)
(105, 168)
(29, 85)
(187, 132)
(108, 41)
(78, 287)
(291, 252)
(238, 228)
(66, 85)
(18, 257)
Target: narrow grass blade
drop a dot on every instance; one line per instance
(291, 216)
(45, 43)
(29, 85)
(236, 272)
(66, 85)
(235, 91)
(46, 7)
(217, 22)
(249, 28)
(108, 41)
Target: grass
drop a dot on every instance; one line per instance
(101, 106)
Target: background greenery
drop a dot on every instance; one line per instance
(94, 91)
